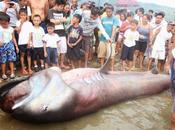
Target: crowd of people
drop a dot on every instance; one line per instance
(64, 33)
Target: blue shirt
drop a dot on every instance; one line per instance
(108, 24)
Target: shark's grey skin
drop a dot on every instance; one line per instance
(50, 96)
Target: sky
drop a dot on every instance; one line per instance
(170, 3)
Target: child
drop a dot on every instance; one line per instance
(131, 36)
(37, 43)
(25, 4)
(24, 28)
(51, 43)
(74, 40)
(58, 17)
(7, 42)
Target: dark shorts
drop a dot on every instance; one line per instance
(127, 53)
(7, 53)
(87, 43)
(38, 53)
(141, 46)
(25, 50)
(74, 53)
(52, 56)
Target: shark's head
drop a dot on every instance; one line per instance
(42, 93)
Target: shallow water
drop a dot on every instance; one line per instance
(149, 113)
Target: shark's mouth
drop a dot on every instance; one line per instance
(7, 98)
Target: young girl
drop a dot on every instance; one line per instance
(7, 42)
(24, 28)
(74, 40)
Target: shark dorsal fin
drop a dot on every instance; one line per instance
(105, 67)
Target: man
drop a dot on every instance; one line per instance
(58, 17)
(91, 20)
(158, 49)
(40, 7)
(157, 25)
(170, 67)
(110, 24)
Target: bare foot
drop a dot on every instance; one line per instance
(172, 122)
(133, 69)
(30, 72)
(64, 67)
(24, 72)
(112, 69)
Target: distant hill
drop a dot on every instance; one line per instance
(169, 12)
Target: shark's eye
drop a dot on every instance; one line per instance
(44, 108)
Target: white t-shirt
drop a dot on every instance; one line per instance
(37, 37)
(131, 37)
(6, 34)
(161, 39)
(173, 52)
(1, 34)
(51, 40)
(24, 34)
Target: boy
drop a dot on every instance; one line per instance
(110, 24)
(74, 41)
(51, 43)
(130, 37)
(37, 43)
(24, 28)
(25, 4)
(58, 17)
(7, 42)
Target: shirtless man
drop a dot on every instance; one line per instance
(40, 7)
